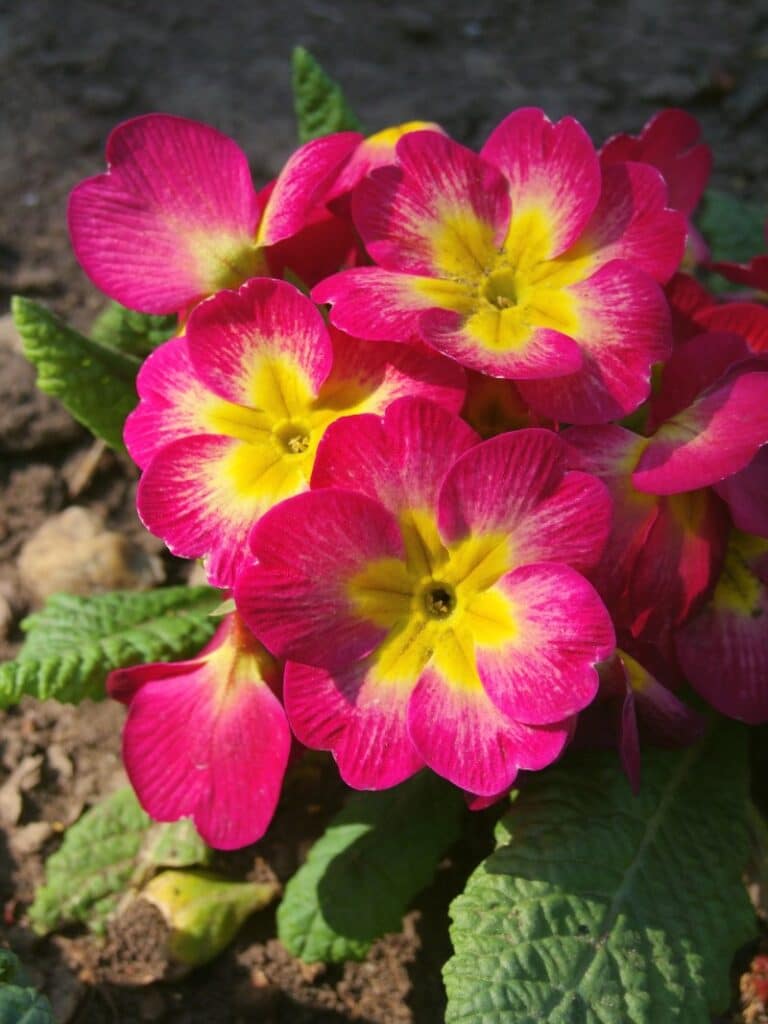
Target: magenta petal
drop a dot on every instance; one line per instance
(296, 599)
(464, 738)
(361, 721)
(724, 649)
(547, 165)
(303, 183)
(207, 739)
(631, 222)
(266, 319)
(369, 302)
(514, 484)
(161, 228)
(545, 671)
(747, 319)
(625, 330)
(173, 402)
(182, 499)
(438, 185)
(746, 493)
(719, 434)
(401, 461)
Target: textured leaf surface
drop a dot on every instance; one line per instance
(19, 1002)
(138, 334)
(363, 872)
(74, 642)
(318, 101)
(733, 227)
(87, 874)
(599, 908)
(96, 383)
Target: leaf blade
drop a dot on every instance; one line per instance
(335, 907)
(573, 920)
(318, 100)
(95, 383)
(73, 642)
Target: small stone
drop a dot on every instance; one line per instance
(28, 839)
(24, 777)
(73, 552)
(58, 761)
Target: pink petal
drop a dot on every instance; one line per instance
(464, 738)
(678, 562)
(716, 436)
(190, 496)
(751, 275)
(695, 365)
(545, 672)
(400, 462)
(378, 374)
(173, 402)
(632, 223)
(611, 453)
(296, 599)
(303, 183)
(362, 721)
(724, 649)
(234, 334)
(443, 212)
(671, 142)
(749, 319)
(207, 739)
(552, 167)
(172, 220)
(746, 493)
(376, 150)
(687, 300)
(514, 484)
(625, 330)
(323, 246)
(545, 353)
(368, 302)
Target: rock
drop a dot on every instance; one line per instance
(28, 839)
(73, 552)
(25, 776)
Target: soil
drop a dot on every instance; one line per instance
(68, 73)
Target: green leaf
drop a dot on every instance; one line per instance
(599, 907)
(74, 642)
(318, 101)
(138, 334)
(95, 862)
(204, 911)
(19, 1002)
(732, 227)
(174, 845)
(94, 382)
(363, 872)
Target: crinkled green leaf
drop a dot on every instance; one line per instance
(363, 872)
(318, 101)
(96, 383)
(173, 845)
(19, 1002)
(138, 334)
(733, 229)
(95, 862)
(599, 907)
(74, 642)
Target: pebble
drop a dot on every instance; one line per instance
(74, 552)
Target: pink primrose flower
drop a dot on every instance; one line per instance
(231, 414)
(208, 738)
(176, 216)
(428, 595)
(751, 275)
(528, 262)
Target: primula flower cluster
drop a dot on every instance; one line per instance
(482, 469)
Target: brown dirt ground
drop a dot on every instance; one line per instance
(68, 73)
